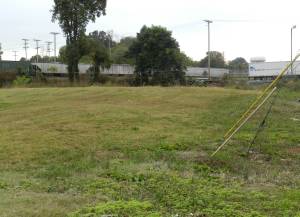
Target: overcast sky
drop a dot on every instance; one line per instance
(246, 28)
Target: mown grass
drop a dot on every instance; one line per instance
(145, 152)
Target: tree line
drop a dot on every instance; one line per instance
(154, 52)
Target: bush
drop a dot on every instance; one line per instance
(22, 81)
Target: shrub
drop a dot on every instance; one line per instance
(3, 185)
(22, 81)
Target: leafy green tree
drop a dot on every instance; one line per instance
(217, 60)
(120, 51)
(238, 65)
(99, 55)
(41, 59)
(158, 57)
(35, 57)
(62, 57)
(188, 61)
(73, 17)
(93, 52)
(104, 38)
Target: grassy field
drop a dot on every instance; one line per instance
(145, 152)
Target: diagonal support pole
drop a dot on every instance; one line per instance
(259, 98)
(245, 121)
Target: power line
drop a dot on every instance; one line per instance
(54, 35)
(25, 46)
(236, 21)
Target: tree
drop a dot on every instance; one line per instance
(217, 60)
(41, 59)
(73, 17)
(104, 38)
(188, 60)
(35, 57)
(157, 56)
(119, 53)
(238, 65)
(98, 53)
(63, 55)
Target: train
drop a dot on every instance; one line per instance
(259, 69)
(61, 70)
(18, 68)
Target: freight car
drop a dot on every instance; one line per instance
(17, 68)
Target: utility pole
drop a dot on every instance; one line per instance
(25, 46)
(54, 35)
(15, 55)
(37, 49)
(294, 27)
(48, 48)
(208, 53)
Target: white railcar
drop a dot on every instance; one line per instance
(269, 70)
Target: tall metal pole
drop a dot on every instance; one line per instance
(54, 35)
(208, 53)
(25, 46)
(294, 27)
(37, 49)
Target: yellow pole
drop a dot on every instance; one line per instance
(261, 96)
(245, 121)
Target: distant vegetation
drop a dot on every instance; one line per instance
(73, 17)
(158, 59)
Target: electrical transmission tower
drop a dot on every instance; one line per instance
(15, 55)
(54, 35)
(37, 49)
(25, 46)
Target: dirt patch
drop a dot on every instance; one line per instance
(295, 150)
